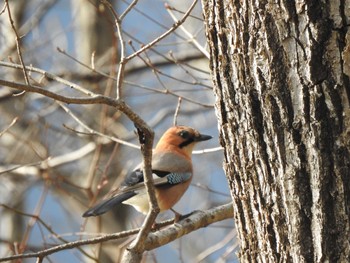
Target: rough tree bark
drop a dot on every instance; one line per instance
(281, 76)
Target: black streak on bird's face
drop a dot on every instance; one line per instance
(191, 137)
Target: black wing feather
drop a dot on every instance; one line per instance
(132, 183)
(106, 205)
(133, 178)
(137, 177)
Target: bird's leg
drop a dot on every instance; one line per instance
(177, 217)
(155, 227)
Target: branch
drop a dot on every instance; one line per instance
(70, 245)
(197, 220)
(137, 247)
(51, 76)
(194, 221)
(122, 62)
(17, 42)
(146, 139)
(95, 132)
(46, 226)
(191, 37)
(94, 99)
(50, 162)
(173, 28)
(9, 126)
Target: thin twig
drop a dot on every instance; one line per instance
(181, 66)
(39, 13)
(43, 223)
(8, 127)
(232, 235)
(177, 111)
(50, 162)
(128, 9)
(192, 38)
(48, 75)
(160, 24)
(170, 92)
(62, 51)
(94, 132)
(208, 189)
(165, 89)
(26, 78)
(3, 9)
(89, 93)
(173, 28)
(121, 68)
(33, 220)
(209, 150)
(187, 57)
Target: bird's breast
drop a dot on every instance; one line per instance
(171, 162)
(169, 195)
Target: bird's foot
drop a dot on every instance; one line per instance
(155, 227)
(179, 217)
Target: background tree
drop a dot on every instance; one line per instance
(281, 78)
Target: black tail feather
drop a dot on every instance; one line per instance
(108, 204)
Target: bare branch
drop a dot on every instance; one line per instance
(122, 62)
(49, 75)
(210, 250)
(8, 127)
(210, 150)
(70, 245)
(94, 132)
(94, 99)
(17, 43)
(39, 13)
(46, 226)
(50, 162)
(198, 219)
(192, 38)
(127, 10)
(137, 246)
(173, 28)
(193, 222)
(177, 110)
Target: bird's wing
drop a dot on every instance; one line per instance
(134, 181)
(132, 185)
(107, 204)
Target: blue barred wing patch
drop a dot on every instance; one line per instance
(177, 178)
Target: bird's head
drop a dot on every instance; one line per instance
(182, 139)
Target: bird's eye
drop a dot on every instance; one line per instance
(184, 134)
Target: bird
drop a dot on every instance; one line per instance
(172, 173)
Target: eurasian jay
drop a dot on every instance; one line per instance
(172, 174)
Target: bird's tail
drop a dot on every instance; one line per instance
(108, 204)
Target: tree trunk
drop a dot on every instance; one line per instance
(281, 78)
(96, 33)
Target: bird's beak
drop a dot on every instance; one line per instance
(202, 137)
